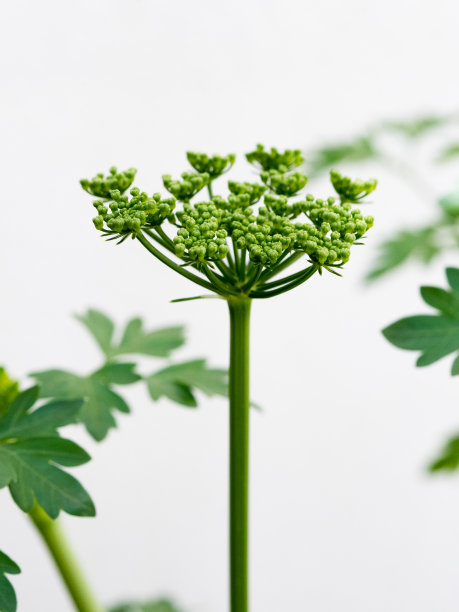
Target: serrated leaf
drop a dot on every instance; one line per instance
(99, 399)
(434, 335)
(31, 452)
(161, 605)
(100, 326)
(178, 381)
(156, 343)
(418, 244)
(117, 374)
(445, 301)
(135, 339)
(8, 602)
(448, 458)
(177, 392)
(196, 374)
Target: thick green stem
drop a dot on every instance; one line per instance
(239, 397)
(53, 536)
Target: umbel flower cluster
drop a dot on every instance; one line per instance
(235, 244)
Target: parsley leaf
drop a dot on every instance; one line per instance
(99, 398)
(434, 335)
(31, 453)
(178, 382)
(134, 339)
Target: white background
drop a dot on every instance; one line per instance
(343, 516)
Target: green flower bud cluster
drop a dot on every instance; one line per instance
(259, 222)
(335, 228)
(349, 190)
(253, 190)
(201, 237)
(265, 236)
(214, 165)
(101, 186)
(184, 190)
(282, 183)
(130, 214)
(274, 160)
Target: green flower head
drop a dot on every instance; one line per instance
(238, 243)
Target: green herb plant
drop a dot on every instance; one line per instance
(34, 456)
(239, 247)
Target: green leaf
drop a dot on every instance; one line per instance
(450, 204)
(448, 458)
(31, 453)
(450, 152)
(418, 244)
(325, 158)
(99, 399)
(452, 275)
(134, 339)
(161, 605)
(179, 381)
(445, 301)
(417, 127)
(434, 335)
(156, 343)
(100, 326)
(8, 390)
(179, 393)
(117, 374)
(8, 601)
(455, 367)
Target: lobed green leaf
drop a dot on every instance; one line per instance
(179, 381)
(31, 453)
(8, 602)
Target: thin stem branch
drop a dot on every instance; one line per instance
(66, 563)
(281, 265)
(183, 271)
(299, 281)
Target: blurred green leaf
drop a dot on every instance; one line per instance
(418, 244)
(100, 326)
(450, 204)
(99, 400)
(134, 340)
(157, 343)
(325, 158)
(31, 452)
(448, 458)
(161, 605)
(179, 381)
(450, 152)
(417, 127)
(434, 335)
(8, 601)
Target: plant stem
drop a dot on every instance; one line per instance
(239, 397)
(54, 538)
